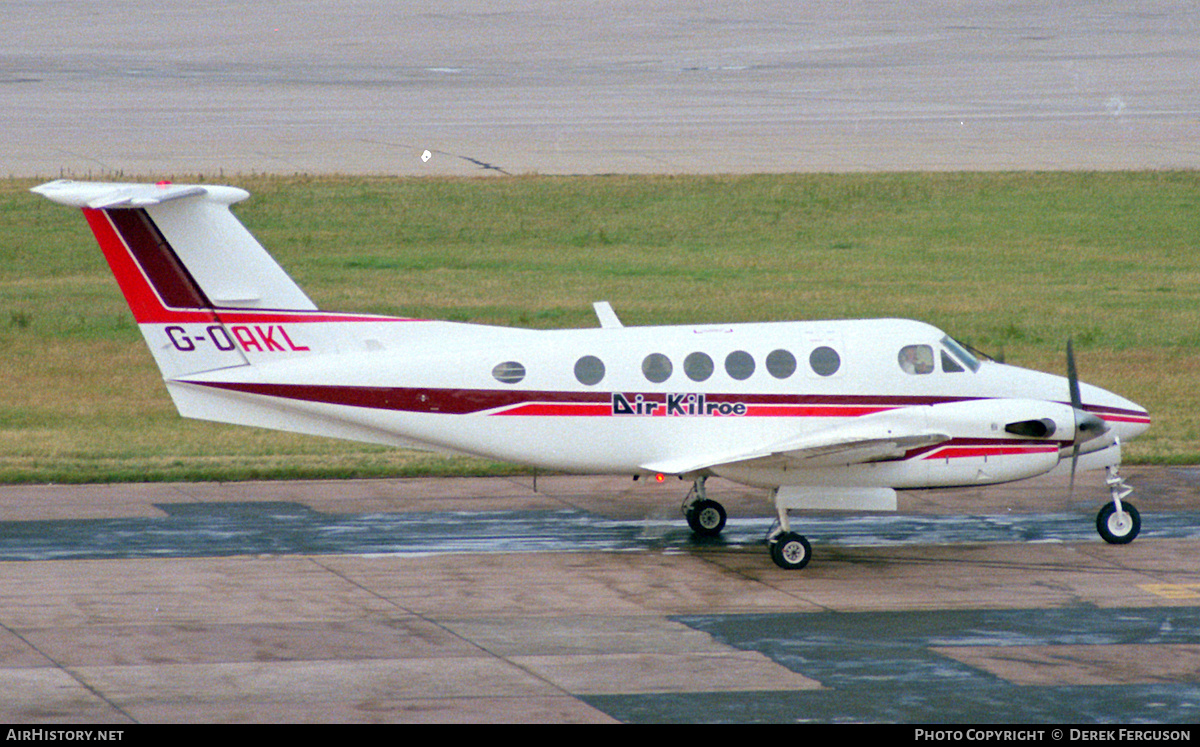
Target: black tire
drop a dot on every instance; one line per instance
(706, 518)
(790, 551)
(1111, 528)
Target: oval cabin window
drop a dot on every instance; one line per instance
(508, 372)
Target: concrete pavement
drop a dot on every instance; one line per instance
(667, 630)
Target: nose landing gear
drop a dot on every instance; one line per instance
(1118, 522)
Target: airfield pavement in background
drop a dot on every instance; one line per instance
(362, 87)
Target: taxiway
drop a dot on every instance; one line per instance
(587, 600)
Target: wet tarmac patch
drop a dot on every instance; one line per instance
(900, 667)
(206, 529)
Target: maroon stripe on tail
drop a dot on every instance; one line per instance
(173, 283)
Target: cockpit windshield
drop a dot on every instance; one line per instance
(961, 353)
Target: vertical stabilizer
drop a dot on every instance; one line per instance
(181, 259)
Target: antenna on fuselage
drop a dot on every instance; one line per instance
(606, 315)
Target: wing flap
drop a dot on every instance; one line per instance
(889, 437)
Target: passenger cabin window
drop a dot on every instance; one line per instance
(698, 366)
(824, 361)
(739, 365)
(657, 367)
(916, 359)
(589, 370)
(781, 364)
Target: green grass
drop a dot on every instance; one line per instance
(1012, 263)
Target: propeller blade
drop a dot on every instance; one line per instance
(1073, 377)
(1087, 425)
(1077, 406)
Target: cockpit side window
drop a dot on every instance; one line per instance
(960, 353)
(949, 365)
(916, 359)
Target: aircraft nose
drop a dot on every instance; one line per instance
(1126, 418)
(1131, 424)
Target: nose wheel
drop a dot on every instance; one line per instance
(1118, 527)
(1119, 522)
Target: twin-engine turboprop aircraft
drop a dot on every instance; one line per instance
(827, 414)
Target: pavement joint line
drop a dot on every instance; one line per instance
(441, 626)
(56, 664)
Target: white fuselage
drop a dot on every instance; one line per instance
(435, 385)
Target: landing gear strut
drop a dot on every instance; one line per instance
(1118, 522)
(705, 517)
(789, 550)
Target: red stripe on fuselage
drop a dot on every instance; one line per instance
(516, 402)
(955, 451)
(1118, 415)
(559, 410)
(813, 411)
(404, 399)
(547, 409)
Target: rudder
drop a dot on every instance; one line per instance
(182, 258)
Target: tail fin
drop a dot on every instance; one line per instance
(183, 262)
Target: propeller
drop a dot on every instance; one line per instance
(1087, 425)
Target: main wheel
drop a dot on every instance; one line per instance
(1118, 529)
(790, 551)
(706, 518)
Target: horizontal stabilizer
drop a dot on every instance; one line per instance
(103, 195)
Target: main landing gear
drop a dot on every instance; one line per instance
(1118, 522)
(706, 517)
(789, 550)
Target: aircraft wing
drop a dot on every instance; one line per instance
(837, 447)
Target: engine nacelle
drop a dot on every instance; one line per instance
(981, 448)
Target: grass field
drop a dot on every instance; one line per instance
(1013, 263)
